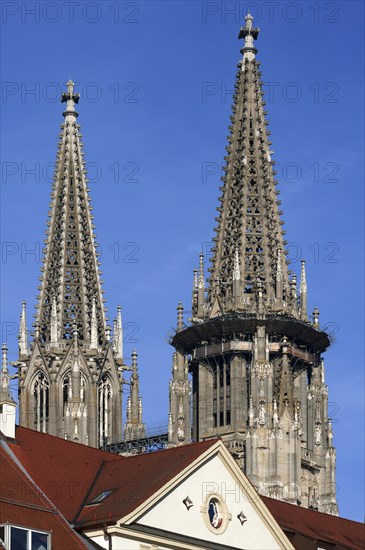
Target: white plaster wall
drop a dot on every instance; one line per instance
(7, 420)
(170, 513)
(120, 543)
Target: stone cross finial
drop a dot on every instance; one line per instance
(70, 98)
(249, 34)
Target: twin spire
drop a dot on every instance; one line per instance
(71, 289)
(249, 266)
(75, 362)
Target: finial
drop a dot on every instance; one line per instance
(293, 287)
(303, 291)
(195, 280)
(249, 34)
(23, 333)
(4, 362)
(201, 271)
(303, 278)
(134, 362)
(180, 313)
(316, 317)
(70, 98)
(115, 337)
(201, 287)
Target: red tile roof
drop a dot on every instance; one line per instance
(135, 479)
(23, 505)
(63, 469)
(72, 475)
(66, 471)
(317, 525)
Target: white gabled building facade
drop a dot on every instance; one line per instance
(211, 504)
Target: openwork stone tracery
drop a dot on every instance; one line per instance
(253, 355)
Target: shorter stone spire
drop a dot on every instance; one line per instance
(294, 295)
(195, 280)
(134, 427)
(249, 34)
(23, 333)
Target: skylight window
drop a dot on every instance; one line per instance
(100, 497)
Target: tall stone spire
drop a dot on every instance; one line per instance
(134, 427)
(70, 383)
(253, 356)
(70, 270)
(249, 216)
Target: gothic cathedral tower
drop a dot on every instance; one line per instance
(70, 378)
(253, 353)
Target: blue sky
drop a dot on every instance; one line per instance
(155, 80)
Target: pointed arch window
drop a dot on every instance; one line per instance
(41, 402)
(105, 394)
(67, 389)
